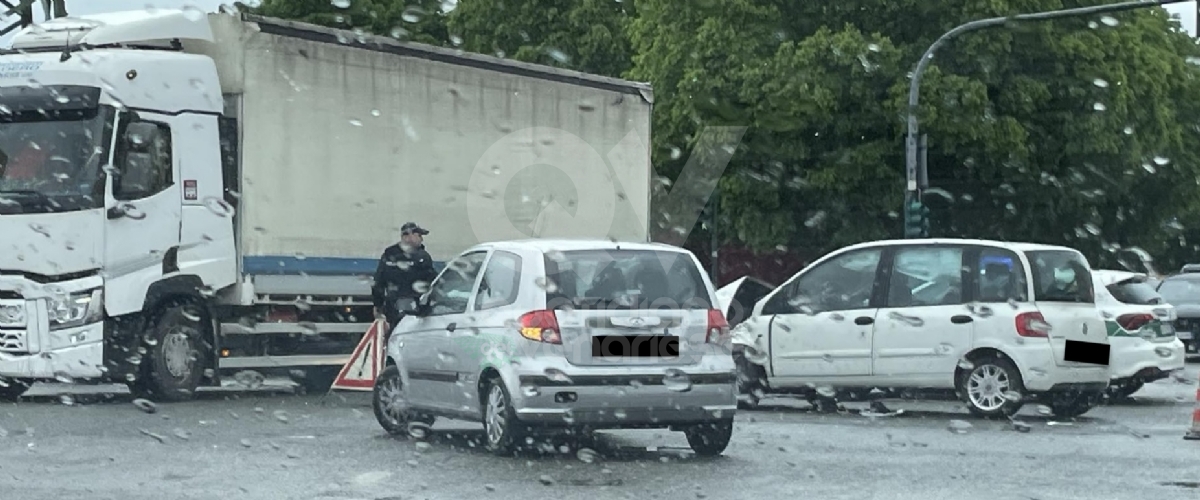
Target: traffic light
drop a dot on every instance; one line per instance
(916, 219)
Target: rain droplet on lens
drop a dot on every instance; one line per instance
(587, 455)
(556, 375)
(959, 426)
(145, 405)
(530, 390)
(1100, 82)
(341, 4)
(676, 380)
(1099, 106)
(1160, 161)
(965, 363)
(412, 14)
(356, 123)
(66, 399)
(1109, 21)
(1128, 130)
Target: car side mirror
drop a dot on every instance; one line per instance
(409, 305)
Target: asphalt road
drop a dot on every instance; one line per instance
(262, 445)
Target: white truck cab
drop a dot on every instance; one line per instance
(110, 237)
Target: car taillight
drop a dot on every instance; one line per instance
(1032, 324)
(541, 326)
(718, 328)
(1134, 321)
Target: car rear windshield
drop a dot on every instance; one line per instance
(1135, 292)
(1060, 276)
(1181, 290)
(624, 279)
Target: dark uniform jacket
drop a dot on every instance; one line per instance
(398, 276)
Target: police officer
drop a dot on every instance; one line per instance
(405, 271)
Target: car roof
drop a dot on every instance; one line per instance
(1109, 276)
(568, 244)
(1017, 246)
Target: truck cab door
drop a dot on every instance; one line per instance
(144, 207)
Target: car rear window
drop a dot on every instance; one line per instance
(624, 279)
(1135, 292)
(1060, 276)
(1180, 290)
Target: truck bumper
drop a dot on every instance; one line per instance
(70, 352)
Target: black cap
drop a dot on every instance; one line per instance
(412, 227)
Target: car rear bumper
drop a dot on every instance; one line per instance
(1041, 372)
(625, 400)
(1147, 360)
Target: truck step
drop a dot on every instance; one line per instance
(284, 361)
(302, 328)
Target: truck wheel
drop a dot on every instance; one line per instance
(11, 389)
(986, 387)
(318, 379)
(171, 369)
(710, 440)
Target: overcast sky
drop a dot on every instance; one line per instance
(1185, 11)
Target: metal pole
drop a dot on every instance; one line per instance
(914, 87)
(714, 244)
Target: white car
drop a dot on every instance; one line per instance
(1140, 327)
(1000, 323)
(541, 335)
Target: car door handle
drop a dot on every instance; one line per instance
(961, 319)
(451, 327)
(864, 320)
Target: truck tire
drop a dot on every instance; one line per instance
(11, 389)
(318, 379)
(171, 368)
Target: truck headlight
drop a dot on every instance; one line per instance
(76, 309)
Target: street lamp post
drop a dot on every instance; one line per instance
(918, 180)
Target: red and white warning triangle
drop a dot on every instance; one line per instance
(359, 373)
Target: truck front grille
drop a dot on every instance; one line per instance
(13, 341)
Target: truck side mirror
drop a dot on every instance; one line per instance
(140, 169)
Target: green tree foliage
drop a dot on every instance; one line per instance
(584, 35)
(1074, 131)
(422, 21)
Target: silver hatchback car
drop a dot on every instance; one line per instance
(551, 335)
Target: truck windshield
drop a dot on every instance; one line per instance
(53, 143)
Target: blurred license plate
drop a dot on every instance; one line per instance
(1184, 335)
(635, 346)
(1167, 328)
(1086, 352)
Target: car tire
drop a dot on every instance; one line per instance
(11, 389)
(985, 385)
(172, 367)
(1072, 404)
(502, 431)
(711, 439)
(390, 404)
